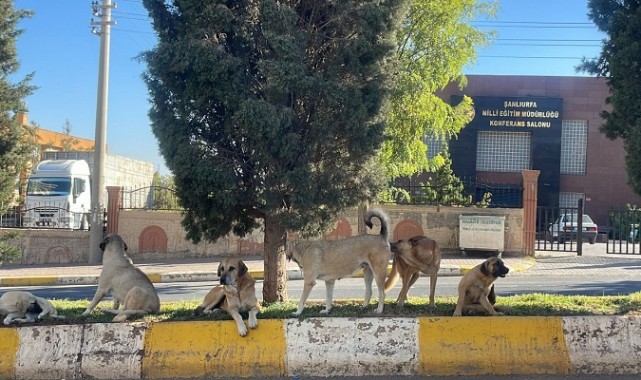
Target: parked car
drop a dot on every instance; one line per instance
(565, 228)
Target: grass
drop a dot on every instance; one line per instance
(536, 304)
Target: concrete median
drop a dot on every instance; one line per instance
(467, 346)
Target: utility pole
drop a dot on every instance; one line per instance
(103, 29)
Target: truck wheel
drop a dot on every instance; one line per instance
(592, 240)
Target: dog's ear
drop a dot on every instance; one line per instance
(242, 268)
(125, 244)
(220, 269)
(102, 246)
(485, 268)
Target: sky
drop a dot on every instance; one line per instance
(533, 37)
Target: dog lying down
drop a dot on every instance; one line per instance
(235, 294)
(24, 307)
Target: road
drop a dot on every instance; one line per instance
(354, 288)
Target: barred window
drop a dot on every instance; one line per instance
(569, 200)
(574, 141)
(435, 145)
(503, 151)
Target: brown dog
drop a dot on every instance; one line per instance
(332, 260)
(411, 257)
(476, 289)
(235, 294)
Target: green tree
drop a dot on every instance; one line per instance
(434, 44)
(15, 147)
(443, 187)
(68, 141)
(163, 193)
(619, 63)
(270, 113)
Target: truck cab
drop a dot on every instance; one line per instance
(58, 195)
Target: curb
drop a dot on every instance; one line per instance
(292, 274)
(333, 347)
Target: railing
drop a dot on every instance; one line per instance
(44, 215)
(149, 198)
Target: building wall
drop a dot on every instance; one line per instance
(605, 181)
(159, 235)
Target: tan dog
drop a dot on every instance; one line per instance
(411, 257)
(476, 289)
(127, 284)
(332, 260)
(235, 294)
(24, 307)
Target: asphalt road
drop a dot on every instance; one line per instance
(353, 288)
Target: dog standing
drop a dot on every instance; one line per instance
(127, 284)
(24, 307)
(332, 260)
(235, 294)
(410, 258)
(476, 289)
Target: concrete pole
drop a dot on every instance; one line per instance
(98, 180)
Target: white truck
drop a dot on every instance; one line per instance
(59, 191)
(58, 195)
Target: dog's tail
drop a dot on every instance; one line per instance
(382, 216)
(392, 277)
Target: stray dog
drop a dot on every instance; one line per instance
(235, 294)
(476, 289)
(332, 260)
(412, 256)
(24, 307)
(127, 284)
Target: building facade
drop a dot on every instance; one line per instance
(544, 123)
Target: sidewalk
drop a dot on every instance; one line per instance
(594, 261)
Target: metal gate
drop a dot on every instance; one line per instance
(623, 232)
(550, 233)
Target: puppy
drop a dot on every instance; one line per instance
(332, 260)
(410, 257)
(476, 289)
(127, 284)
(235, 294)
(24, 307)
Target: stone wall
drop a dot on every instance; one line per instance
(159, 235)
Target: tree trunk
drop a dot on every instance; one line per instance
(275, 282)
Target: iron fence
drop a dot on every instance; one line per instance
(149, 198)
(44, 215)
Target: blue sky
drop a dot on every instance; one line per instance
(58, 46)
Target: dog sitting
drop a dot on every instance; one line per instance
(476, 289)
(127, 284)
(235, 294)
(24, 307)
(332, 260)
(410, 258)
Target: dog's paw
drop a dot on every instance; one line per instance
(457, 314)
(242, 330)
(325, 311)
(253, 324)
(296, 313)
(86, 313)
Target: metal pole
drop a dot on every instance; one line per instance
(98, 181)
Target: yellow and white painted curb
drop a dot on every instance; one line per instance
(466, 346)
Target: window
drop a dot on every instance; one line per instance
(570, 200)
(503, 151)
(435, 145)
(574, 141)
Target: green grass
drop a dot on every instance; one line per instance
(519, 305)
